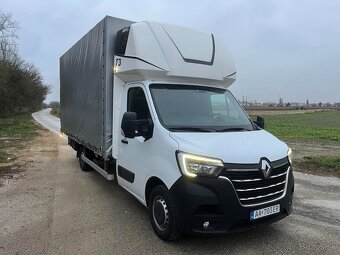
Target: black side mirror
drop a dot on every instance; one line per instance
(132, 127)
(259, 122)
(146, 128)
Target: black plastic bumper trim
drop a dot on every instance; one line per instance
(211, 199)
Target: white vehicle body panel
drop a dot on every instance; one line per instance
(246, 147)
(184, 38)
(165, 49)
(153, 158)
(118, 92)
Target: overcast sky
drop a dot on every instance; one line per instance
(285, 48)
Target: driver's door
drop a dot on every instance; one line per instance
(133, 152)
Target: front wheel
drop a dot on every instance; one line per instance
(163, 213)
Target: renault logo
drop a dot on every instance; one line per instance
(265, 167)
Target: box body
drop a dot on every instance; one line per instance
(86, 87)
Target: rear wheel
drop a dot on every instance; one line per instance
(83, 165)
(163, 213)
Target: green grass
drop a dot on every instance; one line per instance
(14, 132)
(4, 156)
(321, 164)
(318, 126)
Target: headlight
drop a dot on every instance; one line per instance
(193, 165)
(290, 155)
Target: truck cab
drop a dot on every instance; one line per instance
(182, 144)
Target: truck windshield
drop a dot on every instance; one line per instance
(198, 109)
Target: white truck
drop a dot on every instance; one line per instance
(148, 104)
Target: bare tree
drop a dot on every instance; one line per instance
(22, 88)
(8, 36)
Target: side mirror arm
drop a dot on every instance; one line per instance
(259, 122)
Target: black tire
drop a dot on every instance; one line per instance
(83, 165)
(163, 213)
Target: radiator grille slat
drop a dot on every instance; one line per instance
(252, 188)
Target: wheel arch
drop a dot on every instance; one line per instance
(152, 182)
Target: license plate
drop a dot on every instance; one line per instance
(260, 213)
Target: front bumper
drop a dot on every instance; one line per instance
(214, 200)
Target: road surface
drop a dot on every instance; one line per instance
(55, 208)
(49, 121)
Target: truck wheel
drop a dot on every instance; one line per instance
(83, 165)
(163, 213)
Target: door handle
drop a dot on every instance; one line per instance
(124, 141)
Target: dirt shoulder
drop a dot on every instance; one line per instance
(303, 149)
(27, 187)
(22, 155)
(306, 153)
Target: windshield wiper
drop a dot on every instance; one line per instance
(195, 129)
(233, 129)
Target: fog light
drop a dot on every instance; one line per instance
(206, 224)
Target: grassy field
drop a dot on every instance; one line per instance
(318, 126)
(14, 132)
(310, 129)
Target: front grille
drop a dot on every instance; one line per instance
(250, 185)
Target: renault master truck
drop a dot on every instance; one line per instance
(147, 104)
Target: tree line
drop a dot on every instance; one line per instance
(21, 84)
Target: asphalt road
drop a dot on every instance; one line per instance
(55, 208)
(49, 121)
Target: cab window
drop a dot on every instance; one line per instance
(137, 103)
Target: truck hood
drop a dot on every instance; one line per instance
(246, 147)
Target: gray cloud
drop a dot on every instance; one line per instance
(288, 49)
